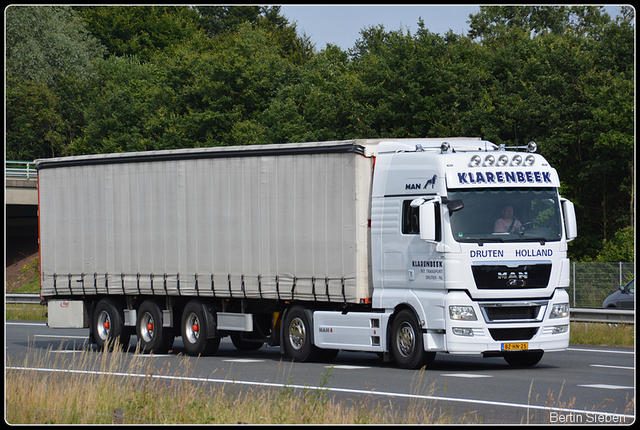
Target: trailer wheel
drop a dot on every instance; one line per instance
(193, 329)
(152, 336)
(406, 342)
(108, 325)
(523, 359)
(297, 336)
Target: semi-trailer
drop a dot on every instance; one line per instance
(401, 247)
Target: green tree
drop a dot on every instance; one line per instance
(143, 31)
(49, 62)
(317, 102)
(217, 20)
(620, 248)
(35, 128)
(496, 21)
(43, 42)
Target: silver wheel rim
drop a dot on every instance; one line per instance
(191, 334)
(296, 333)
(103, 318)
(406, 339)
(145, 332)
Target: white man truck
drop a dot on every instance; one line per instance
(386, 246)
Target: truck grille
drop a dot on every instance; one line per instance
(504, 312)
(488, 277)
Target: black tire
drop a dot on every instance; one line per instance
(108, 325)
(406, 342)
(523, 359)
(193, 329)
(152, 336)
(297, 336)
(245, 344)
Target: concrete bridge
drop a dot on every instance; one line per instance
(21, 191)
(21, 210)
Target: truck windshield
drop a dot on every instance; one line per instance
(506, 214)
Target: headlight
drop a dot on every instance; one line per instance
(560, 310)
(462, 313)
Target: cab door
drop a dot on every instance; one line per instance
(424, 262)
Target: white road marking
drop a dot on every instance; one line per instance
(336, 390)
(347, 367)
(606, 387)
(465, 375)
(26, 323)
(244, 360)
(61, 336)
(606, 351)
(612, 367)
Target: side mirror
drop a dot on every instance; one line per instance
(455, 205)
(428, 221)
(570, 223)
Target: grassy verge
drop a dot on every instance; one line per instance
(20, 312)
(131, 392)
(602, 334)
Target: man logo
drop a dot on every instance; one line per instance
(513, 275)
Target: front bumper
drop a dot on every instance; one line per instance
(483, 336)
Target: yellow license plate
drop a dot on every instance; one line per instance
(515, 346)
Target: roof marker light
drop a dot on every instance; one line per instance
(475, 161)
(489, 160)
(516, 160)
(503, 160)
(529, 160)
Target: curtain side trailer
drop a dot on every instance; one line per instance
(385, 246)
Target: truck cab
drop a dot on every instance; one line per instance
(472, 238)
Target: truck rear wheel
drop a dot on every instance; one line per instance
(152, 336)
(297, 336)
(108, 325)
(406, 342)
(193, 329)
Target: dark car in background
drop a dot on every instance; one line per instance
(623, 298)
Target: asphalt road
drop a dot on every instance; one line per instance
(581, 385)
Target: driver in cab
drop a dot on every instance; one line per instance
(508, 222)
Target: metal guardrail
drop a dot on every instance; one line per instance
(20, 169)
(22, 298)
(613, 316)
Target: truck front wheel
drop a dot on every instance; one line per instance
(108, 325)
(193, 329)
(406, 342)
(152, 336)
(297, 336)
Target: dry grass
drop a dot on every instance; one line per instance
(124, 388)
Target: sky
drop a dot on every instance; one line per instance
(341, 25)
